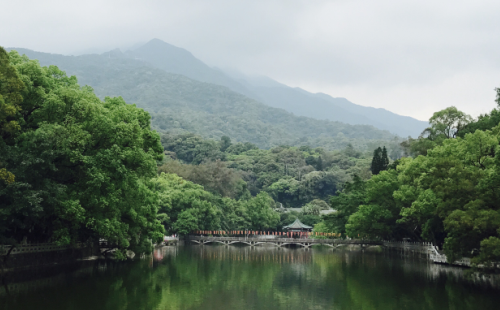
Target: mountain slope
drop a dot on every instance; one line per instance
(179, 104)
(323, 106)
(177, 60)
(167, 57)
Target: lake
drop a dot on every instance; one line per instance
(221, 277)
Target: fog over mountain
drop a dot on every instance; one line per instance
(177, 60)
(172, 59)
(300, 102)
(323, 106)
(412, 58)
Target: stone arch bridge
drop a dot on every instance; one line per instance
(304, 242)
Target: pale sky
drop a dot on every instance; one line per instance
(409, 57)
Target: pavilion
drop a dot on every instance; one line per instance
(297, 226)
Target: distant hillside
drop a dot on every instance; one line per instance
(173, 59)
(323, 106)
(180, 104)
(177, 60)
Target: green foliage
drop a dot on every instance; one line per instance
(380, 161)
(11, 99)
(191, 148)
(315, 207)
(225, 143)
(11, 87)
(188, 206)
(83, 166)
(449, 197)
(288, 174)
(378, 215)
(321, 227)
(447, 123)
(214, 176)
(260, 212)
(484, 122)
(346, 202)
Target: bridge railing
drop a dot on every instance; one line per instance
(35, 248)
(284, 240)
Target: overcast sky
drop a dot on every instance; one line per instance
(410, 57)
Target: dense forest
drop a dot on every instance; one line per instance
(300, 178)
(446, 192)
(75, 168)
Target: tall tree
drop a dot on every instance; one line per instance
(83, 166)
(385, 160)
(376, 161)
(10, 107)
(447, 123)
(380, 161)
(346, 202)
(225, 142)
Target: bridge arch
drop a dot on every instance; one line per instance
(243, 242)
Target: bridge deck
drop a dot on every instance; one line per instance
(282, 241)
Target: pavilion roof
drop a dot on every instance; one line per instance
(297, 225)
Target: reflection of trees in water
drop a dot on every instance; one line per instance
(218, 277)
(32, 279)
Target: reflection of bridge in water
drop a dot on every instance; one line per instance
(304, 242)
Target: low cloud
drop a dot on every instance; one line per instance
(410, 57)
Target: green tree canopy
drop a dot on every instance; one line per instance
(11, 87)
(380, 161)
(83, 166)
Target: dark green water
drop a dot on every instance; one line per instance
(218, 277)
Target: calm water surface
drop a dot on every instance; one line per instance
(218, 277)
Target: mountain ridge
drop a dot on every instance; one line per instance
(174, 59)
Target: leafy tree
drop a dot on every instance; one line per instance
(10, 106)
(287, 218)
(377, 216)
(346, 202)
(225, 143)
(484, 122)
(187, 205)
(11, 99)
(260, 212)
(319, 228)
(82, 166)
(315, 207)
(319, 164)
(234, 215)
(447, 123)
(192, 149)
(309, 219)
(239, 148)
(449, 196)
(215, 177)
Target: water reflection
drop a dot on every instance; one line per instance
(221, 277)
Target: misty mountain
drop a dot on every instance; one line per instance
(179, 104)
(300, 102)
(177, 60)
(323, 106)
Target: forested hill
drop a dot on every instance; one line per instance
(173, 59)
(179, 104)
(323, 106)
